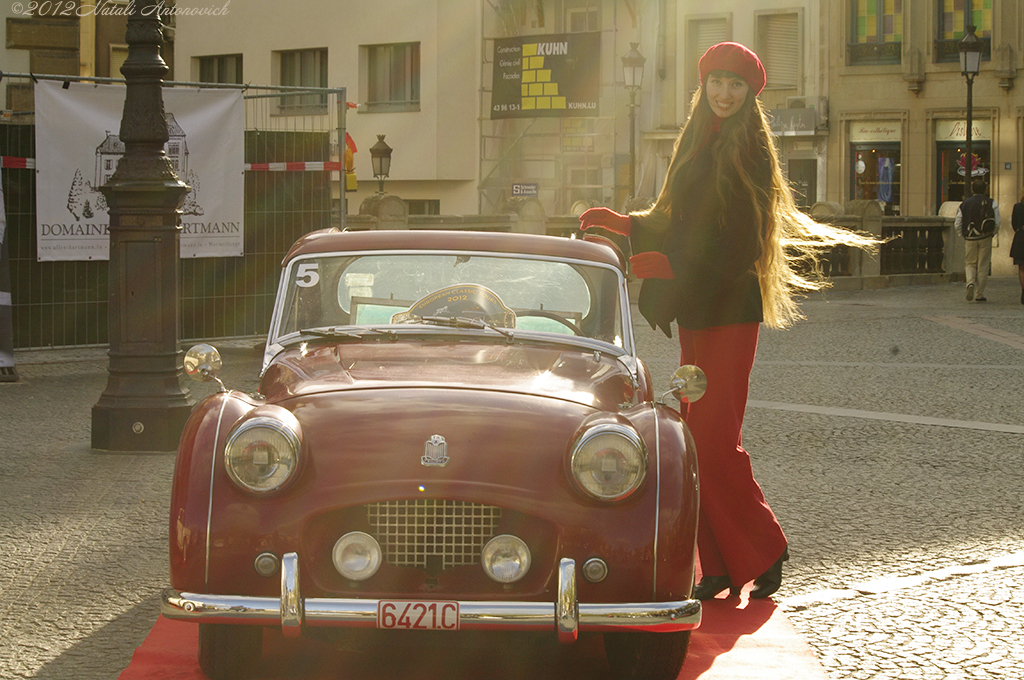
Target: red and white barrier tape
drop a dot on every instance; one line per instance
(15, 162)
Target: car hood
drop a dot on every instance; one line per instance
(596, 379)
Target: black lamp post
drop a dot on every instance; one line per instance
(970, 64)
(380, 158)
(146, 402)
(633, 75)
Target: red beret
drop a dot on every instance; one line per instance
(733, 57)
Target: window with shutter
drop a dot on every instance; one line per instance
(780, 49)
(702, 34)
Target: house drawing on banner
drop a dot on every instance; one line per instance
(84, 198)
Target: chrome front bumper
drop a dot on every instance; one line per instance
(566, 613)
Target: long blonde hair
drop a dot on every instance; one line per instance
(790, 242)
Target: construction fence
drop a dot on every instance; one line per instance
(294, 142)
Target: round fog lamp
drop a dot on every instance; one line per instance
(356, 556)
(505, 558)
(595, 570)
(266, 564)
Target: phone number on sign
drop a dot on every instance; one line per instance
(70, 8)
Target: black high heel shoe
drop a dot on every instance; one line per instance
(710, 586)
(768, 582)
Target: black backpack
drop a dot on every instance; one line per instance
(981, 223)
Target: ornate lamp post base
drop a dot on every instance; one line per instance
(146, 402)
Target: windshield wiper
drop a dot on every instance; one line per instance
(465, 322)
(328, 333)
(335, 333)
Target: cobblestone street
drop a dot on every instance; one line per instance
(885, 429)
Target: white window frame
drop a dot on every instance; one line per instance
(390, 77)
(218, 63)
(302, 68)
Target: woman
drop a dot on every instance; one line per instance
(1017, 247)
(723, 249)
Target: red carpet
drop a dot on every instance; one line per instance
(737, 640)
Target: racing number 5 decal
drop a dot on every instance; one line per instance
(307, 276)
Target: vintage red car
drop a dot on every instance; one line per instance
(452, 432)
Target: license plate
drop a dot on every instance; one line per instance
(418, 615)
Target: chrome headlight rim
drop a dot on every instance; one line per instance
(632, 437)
(290, 436)
(506, 542)
(375, 556)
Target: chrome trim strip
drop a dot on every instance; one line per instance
(213, 469)
(657, 498)
(291, 598)
(473, 615)
(567, 608)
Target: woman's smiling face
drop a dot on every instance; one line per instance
(726, 93)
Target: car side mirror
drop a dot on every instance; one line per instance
(688, 384)
(203, 364)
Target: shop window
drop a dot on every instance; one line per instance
(875, 175)
(951, 171)
(954, 16)
(876, 32)
(802, 174)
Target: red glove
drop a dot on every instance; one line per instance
(651, 265)
(607, 219)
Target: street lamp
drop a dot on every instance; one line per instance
(633, 75)
(970, 64)
(380, 158)
(145, 404)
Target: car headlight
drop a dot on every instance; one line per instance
(262, 454)
(609, 462)
(505, 558)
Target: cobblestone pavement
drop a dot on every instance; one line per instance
(885, 430)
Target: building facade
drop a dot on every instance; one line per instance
(899, 106)
(867, 98)
(410, 68)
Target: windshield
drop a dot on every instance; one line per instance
(505, 291)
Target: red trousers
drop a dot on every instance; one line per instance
(737, 533)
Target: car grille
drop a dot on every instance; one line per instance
(432, 534)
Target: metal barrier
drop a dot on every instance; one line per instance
(64, 304)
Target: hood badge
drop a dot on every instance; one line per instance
(435, 452)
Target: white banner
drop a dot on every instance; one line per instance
(77, 149)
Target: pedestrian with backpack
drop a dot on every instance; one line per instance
(977, 220)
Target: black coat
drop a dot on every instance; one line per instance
(712, 246)
(1017, 221)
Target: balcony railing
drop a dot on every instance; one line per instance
(861, 54)
(947, 51)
